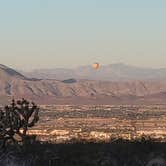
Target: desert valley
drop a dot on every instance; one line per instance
(90, 109)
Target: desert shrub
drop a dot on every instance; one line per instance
(16, 119)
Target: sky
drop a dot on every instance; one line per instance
(70, 33)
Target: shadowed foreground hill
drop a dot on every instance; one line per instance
(119, 153)
(73, 91)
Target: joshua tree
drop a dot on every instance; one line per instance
(15, 119)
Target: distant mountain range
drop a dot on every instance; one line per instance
(113, 72)
(84, 91)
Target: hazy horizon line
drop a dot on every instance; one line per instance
(78, 66)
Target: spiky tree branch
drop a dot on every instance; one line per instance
(16, 118)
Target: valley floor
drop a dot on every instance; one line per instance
(62, 123)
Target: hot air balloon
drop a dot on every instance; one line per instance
(95, 66)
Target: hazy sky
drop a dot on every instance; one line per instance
(68, 33)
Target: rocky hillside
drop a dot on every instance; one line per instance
(13, 84)
(7, 73)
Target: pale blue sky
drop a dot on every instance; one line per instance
(68, 33)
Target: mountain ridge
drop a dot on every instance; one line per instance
(9, 73)
(112, 72)
(80, 91)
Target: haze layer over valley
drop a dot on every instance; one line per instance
(112, 72)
